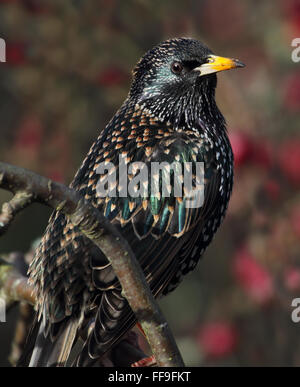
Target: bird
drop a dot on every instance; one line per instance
(170, 115)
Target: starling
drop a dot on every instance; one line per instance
(170, 115)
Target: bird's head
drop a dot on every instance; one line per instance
(176, 80)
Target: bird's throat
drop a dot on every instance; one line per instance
(195, 109)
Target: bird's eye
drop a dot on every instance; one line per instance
(176, 67)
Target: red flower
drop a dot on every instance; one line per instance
(292, 8)
(35, 6)
(291, 93)
(15, 53)
(289, 160)
(262, 153)
(272, 189)
(241, 147)
(215, 18)
(217, 339)
(111, 77)
(292, 279)
(29, 134)
(56, 175)
(295, 221)
(252, 277)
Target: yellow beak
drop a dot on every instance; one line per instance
(218, 63)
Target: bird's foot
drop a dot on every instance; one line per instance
(146, 362)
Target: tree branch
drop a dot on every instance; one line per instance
(29, 187)
(20, 201)
(14, 287)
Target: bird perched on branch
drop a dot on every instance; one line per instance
(170, 115)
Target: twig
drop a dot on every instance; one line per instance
(98, 229)
(14, 286)
(20, 201)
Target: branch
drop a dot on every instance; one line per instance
(14, 286)
(20, 200)
(25, 184)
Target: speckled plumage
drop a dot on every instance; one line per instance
(164, 118)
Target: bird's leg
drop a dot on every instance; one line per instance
(141, 329)
(147, 361)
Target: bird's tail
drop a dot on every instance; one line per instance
(41, 351)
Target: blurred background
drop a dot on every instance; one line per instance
(68, 69)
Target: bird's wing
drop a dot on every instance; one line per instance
(162, 246)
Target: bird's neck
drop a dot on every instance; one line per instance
(197, 112)
(194, 107)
